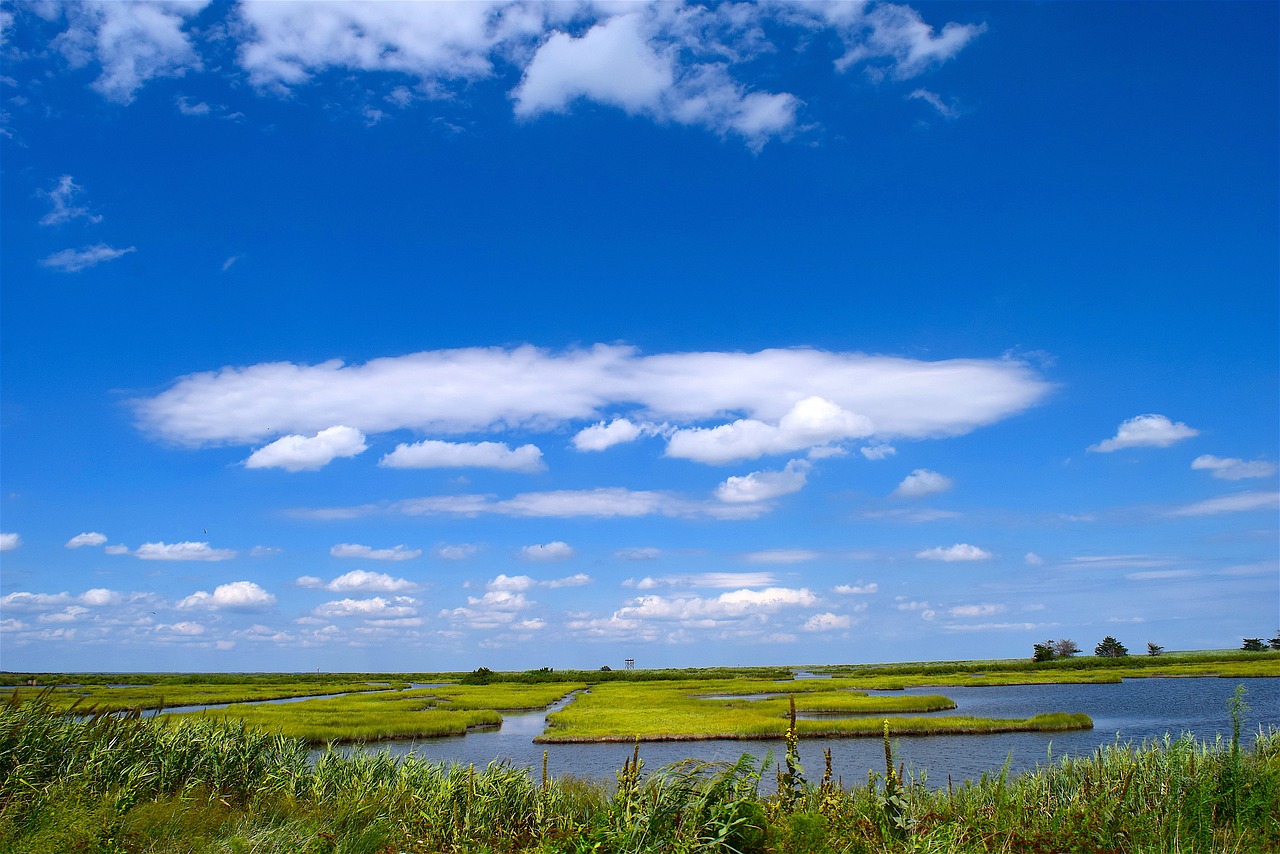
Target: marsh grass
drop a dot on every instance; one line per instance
(704, 709)
(194, 693)
(127, 784)
(415, 713)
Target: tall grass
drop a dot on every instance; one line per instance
(126, 784)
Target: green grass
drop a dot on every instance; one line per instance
(196, 691)
(204, 786)
(416, 713)
(699, 709)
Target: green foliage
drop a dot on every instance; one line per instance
(1254, 645)
(1109, 647)
(1153, 648)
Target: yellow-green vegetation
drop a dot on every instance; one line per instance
(197, 692)
(205, 786)
(415, 713)
(1227, 664)
(718, 709)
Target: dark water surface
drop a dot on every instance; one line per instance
(1133, 711)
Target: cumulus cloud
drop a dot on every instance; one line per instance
(732, 605)
(375, 607)
(236, 596)
(90, 538)
(878, 452)
(63, 197)
(456, 551)
(764, 485)
(75, 260)
(523, 582)
(131, 42)
(827, 622)
(1145, 431)
(182, 551)
(922, 482)
(960, 551)
(307, 453)
(556, 550)
(600, 436)
(1230, 468)
(811, 422)
(858, 589)
(1033, 559)
(369, 553)
(1235, 503)
(359, 581)
(433, 454)
(787, 399)
(9, 542)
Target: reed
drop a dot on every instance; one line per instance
(121, 783)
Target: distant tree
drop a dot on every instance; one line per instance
(1254, 645)
(1275, 641)
(606, 668)
(1043, 651)
(1065, 648)
(1154, 649)
(1110, 648)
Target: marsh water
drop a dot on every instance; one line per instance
(1132, 711)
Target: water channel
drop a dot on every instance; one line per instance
(1132, 711)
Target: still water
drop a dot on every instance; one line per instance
(1132, 711)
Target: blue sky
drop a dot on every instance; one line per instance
(433, 336)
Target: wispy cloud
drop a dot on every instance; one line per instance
(75, 260)
(1146, 431)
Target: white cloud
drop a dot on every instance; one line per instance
(600, 436)
(878, 452)
(63, 197)
(1120, 560)
(982, 610)
(718, 580)
(1033, 559)
(75, 260)
(457, 551)
(362, 581)
(933, 99)
(369, 553)
(236, 596)
(960, 551)
(99, 597)
(186, 628)
(556, 550)
(640, 61)
(922, 482)
(91, 538)
(601, 503)
(827, 622)
(726, 606)
(376, 607)
(1145, 431)
(471, 390)
(182, 551)
(132, 42)
(858, 589)
(23, 601)
(764, 485)
(1237, 503)
(1229, 468)
(116, 550)
(638, 553)
(307, 453)
(432, 453)
(265, 551)
(517, 583)
(811, 422)
(892, 40)
(781, 556)
(9, 542)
